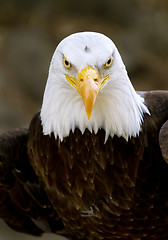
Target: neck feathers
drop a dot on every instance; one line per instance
(117, 110)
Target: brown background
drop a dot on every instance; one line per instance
(31, 29)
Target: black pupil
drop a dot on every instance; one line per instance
(109, 61)
(66, 62)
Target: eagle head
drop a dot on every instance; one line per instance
(88, 88)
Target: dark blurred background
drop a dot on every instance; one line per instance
(30, 31)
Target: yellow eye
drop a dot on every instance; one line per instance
(109, 63)
(66, 63)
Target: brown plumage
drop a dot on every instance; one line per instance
(112, 190)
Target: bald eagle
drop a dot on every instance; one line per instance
(93, 163)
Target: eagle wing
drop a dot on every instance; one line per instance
(24, 205)
(163, 140)
(157, 102)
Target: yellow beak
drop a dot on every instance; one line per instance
(88, 88)
(88, 85)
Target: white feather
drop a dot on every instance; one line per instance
(118, 108)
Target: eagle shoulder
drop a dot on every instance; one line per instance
(157, 103)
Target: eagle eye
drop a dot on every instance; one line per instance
(109, 63)
(66, 63)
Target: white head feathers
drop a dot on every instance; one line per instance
(118, 109)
